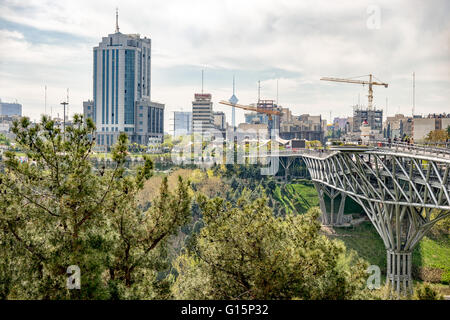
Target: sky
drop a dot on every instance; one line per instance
(293, 43)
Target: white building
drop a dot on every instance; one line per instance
(423, 126)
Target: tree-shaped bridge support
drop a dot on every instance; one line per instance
(330, 216)
(403, 194)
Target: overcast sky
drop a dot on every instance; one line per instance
(50, 43)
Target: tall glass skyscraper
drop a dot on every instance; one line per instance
(122, 90)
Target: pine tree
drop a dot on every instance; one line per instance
(57, 210)
(245, 252)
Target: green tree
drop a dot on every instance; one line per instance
(426, 292)
(437, 136)
(244, 252)
(4, 140)
(56, 210)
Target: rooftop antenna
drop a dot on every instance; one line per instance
(202, 81)
(233, 100)
(233, 111)
(259, 90)
(414, 94)
(64, 103)
(67, 104)
(117, 20)
(277, 92)
(233, 84)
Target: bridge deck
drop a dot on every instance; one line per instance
(398, 149)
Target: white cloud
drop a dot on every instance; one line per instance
(302, 40)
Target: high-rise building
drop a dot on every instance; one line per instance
(10, 109)
(122, 89)
(182, 123)
(89, 110)
(202, 113)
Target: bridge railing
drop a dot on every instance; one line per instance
(319, 153)
(418, 149)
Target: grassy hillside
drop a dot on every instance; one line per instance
(296, 197)
(300, 196)
(431, 258)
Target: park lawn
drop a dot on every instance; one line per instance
(429, 253)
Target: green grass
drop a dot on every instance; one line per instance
(364, 239)
(301, 195)
(296, 197)
(433, 253)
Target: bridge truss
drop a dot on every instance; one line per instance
(403, 194)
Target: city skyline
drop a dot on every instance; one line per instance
(51, 45)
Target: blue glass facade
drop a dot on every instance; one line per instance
(139, 84)
(129, 86)
(103, 86)
(107, 87)
(117, 87)
(113, 61)
(155, 120)
(148, 73)
(94, 114)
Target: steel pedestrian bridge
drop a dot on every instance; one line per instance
(404, 190)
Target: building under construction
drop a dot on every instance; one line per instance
(273, 119)
(373, 117)
(368, 115)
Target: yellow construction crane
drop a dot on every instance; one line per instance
(363, 82)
